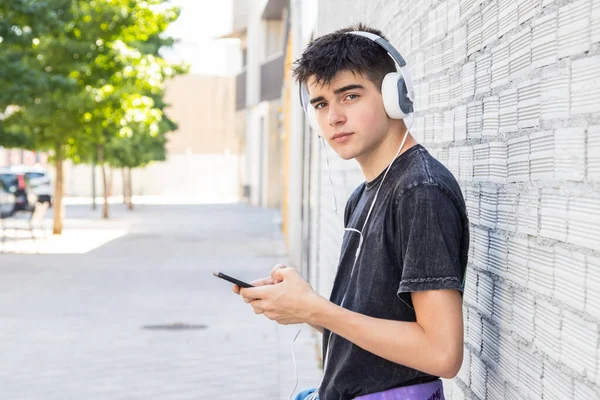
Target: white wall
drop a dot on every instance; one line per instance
(508, 97)
(257, 144)
(212, 177)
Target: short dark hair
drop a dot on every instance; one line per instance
(327, 55)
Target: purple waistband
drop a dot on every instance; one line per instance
(424, 391)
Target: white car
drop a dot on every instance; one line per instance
(38, 179)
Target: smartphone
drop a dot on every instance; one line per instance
(228, 278)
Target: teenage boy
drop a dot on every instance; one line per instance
(393, 324)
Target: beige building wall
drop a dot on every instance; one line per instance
(203, 107)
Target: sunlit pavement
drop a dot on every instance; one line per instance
(128, 308)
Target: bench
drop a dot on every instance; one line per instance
(35, 221)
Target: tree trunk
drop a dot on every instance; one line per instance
(124, 180)
(130, 189)
(58, 192)
(109, 183)
(104, 183)
(93, 185)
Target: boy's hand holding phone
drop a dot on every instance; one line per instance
(262, 282)
(284, 297)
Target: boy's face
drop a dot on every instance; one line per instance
(350, 113)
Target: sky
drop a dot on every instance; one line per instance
(199, 25)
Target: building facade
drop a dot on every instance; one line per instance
(260, 27)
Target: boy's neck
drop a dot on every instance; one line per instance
(374, 163)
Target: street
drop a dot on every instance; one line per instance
(129, 309)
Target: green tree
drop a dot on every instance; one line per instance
(93, 70)
(131, 101)
(22, 23)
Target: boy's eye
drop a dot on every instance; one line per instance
(352, 96)
(320, 105)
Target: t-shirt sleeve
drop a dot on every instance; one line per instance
(429, 238)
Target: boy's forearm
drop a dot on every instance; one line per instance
(401, 342)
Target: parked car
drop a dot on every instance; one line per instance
(18, 184)
(7, 201)
(40, 182)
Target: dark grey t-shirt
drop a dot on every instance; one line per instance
(416, 239)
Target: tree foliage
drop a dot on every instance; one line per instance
(83, 75)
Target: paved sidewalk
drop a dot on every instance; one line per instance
(78, 324)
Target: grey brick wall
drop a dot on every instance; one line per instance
(508, 98)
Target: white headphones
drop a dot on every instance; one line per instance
(396, 88)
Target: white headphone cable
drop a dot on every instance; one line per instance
(294, 359)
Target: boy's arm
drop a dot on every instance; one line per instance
(433, 344)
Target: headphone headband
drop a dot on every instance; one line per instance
(383, 43)
(395, 54)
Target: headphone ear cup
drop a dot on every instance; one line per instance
(395, 99)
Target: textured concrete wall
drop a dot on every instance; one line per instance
(508, 98)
